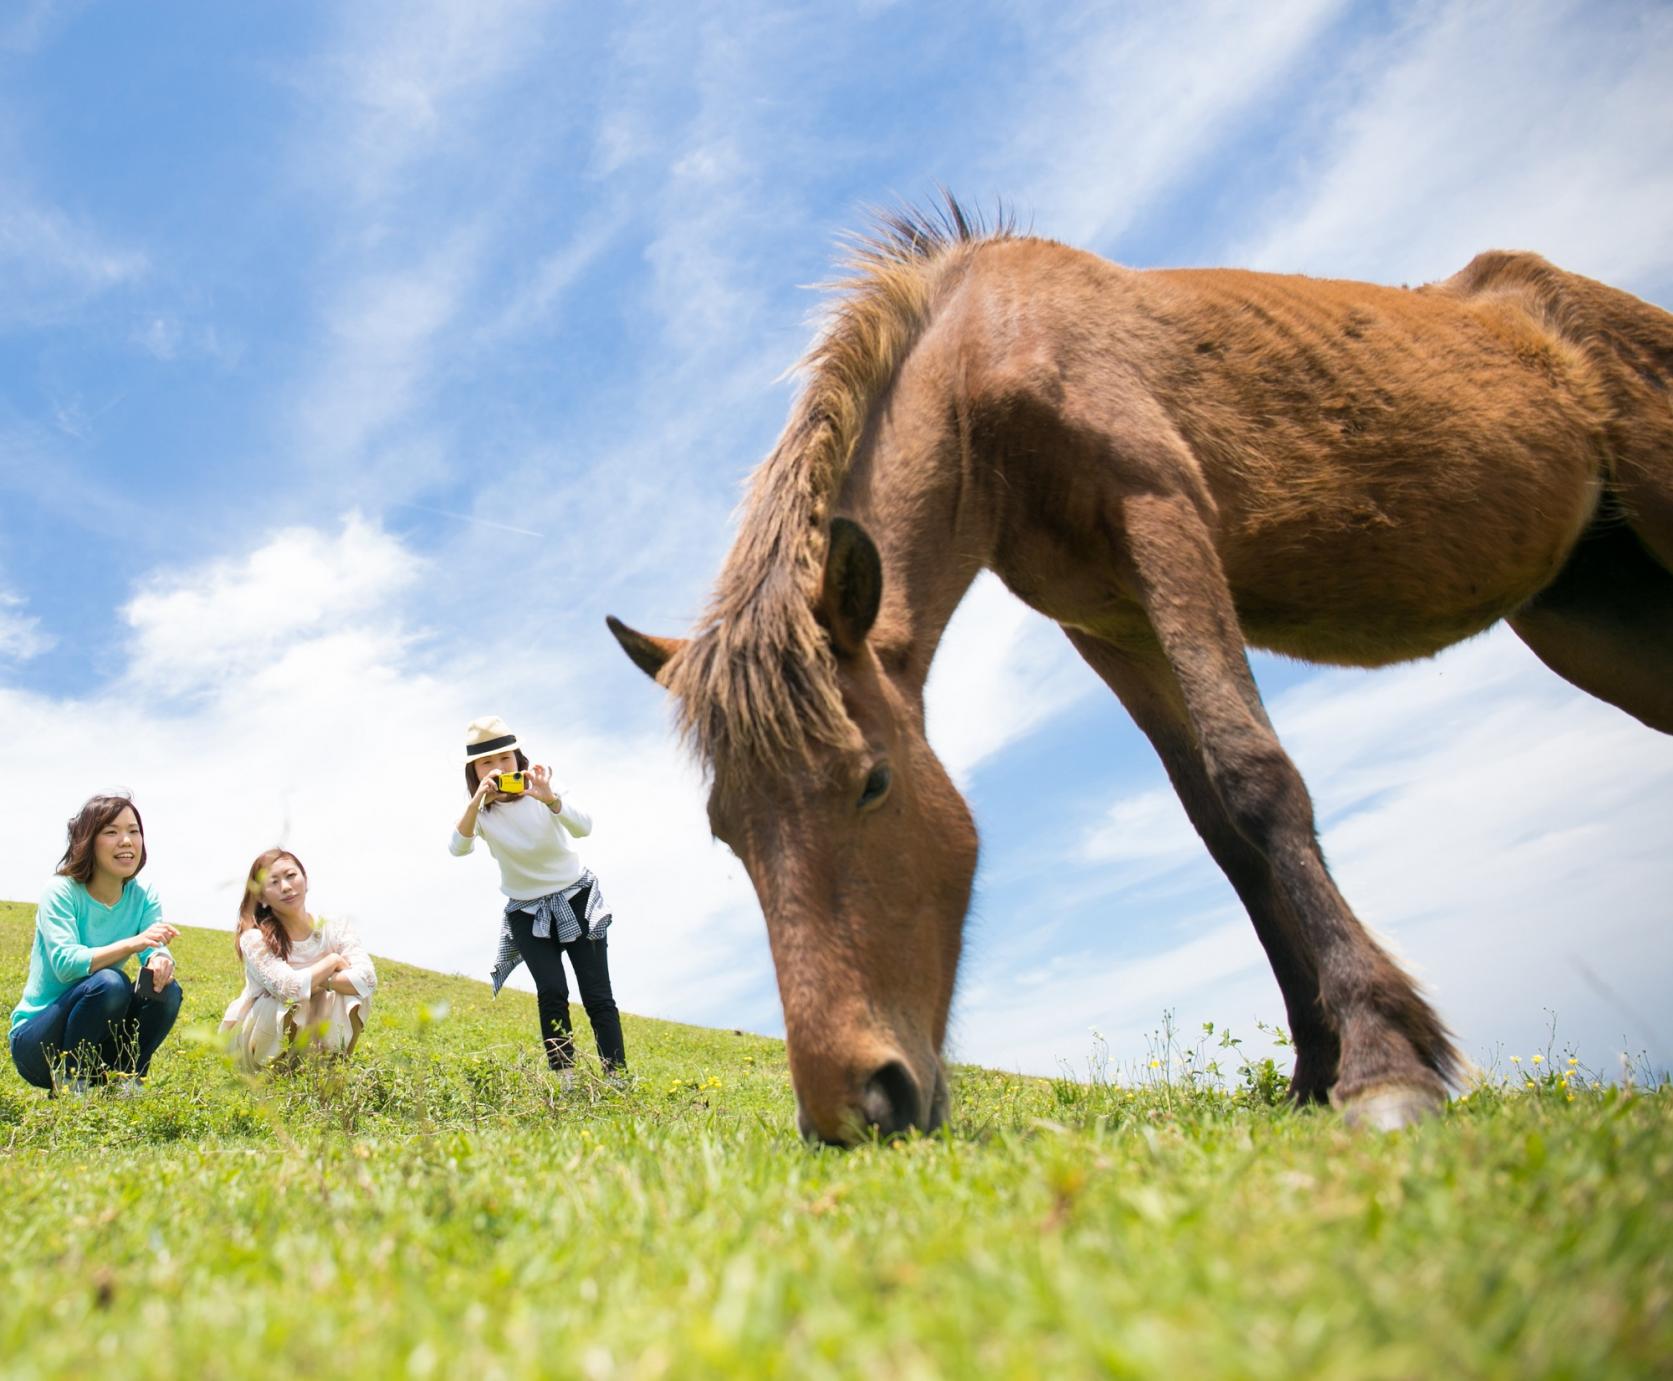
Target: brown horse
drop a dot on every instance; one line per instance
(1171, 464)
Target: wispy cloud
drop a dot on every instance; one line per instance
(33, 23)
(21, 636)
(52, 263)
(1489, 126)
(404, 84)
(380, 345)
(1134, 98)
(1501, 830)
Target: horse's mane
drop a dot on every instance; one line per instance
(758, 679)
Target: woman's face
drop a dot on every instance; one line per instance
(117, 846)
(499, 762)
(286, 888)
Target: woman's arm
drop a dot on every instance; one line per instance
(149, 941)
(464, 833)
(68, 959)
(274, 976)
(157, 958)
(357, 977)
(572, 817)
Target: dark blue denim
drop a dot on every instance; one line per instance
(100, 1020)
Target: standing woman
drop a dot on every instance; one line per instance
(554, 905)
(81, 1019)
(302, 975)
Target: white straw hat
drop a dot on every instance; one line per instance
(486, 736)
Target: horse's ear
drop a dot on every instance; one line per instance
(853, 587)
(649, 654)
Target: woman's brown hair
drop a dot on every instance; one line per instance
(472, 780)
(254, 913)
(99, 811)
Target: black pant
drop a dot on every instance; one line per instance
(590, 960)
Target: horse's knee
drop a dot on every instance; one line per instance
(1263, 796)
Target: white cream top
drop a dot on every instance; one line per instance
(288, 979)
(526, 840)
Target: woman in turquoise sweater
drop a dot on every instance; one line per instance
(81, 1019)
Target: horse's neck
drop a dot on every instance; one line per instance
(931, 552)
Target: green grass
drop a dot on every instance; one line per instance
(436, 1208)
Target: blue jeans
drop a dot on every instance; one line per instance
(102, 1022)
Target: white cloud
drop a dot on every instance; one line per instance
(1487, 126)
(20, 634)
(317, 722)
(1040, 1021)
(285, 601)
(1504, 833)
(1150, 827)
(1001, 671)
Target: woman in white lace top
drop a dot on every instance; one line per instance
(303, 976)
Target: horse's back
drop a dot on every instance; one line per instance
(1629, 343)
(1390, 469)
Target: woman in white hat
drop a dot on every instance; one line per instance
(308, 981)
(553, 903)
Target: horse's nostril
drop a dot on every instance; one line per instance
(890, 1099)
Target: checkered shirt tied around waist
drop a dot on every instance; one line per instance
(553, 912)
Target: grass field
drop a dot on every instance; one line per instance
(436, 1207)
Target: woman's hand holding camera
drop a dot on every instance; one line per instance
(540, 786)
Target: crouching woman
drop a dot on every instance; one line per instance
(81, 1020)
(307, 981)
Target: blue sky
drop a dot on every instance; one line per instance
(355, 361)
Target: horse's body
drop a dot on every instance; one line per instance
(1170, 464)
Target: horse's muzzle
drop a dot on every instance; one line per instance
(891, 1103)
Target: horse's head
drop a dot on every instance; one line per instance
(862, 854)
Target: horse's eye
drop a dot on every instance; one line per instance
(876, 787)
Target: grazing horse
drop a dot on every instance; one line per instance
(1171, 464)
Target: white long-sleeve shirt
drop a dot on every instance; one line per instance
(531, 845)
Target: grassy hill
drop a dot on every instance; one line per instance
(436, 1207)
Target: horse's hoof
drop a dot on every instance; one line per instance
(1391, 1107)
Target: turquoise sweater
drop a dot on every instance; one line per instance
(69, 926)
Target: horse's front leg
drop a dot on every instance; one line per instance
(1396, 1057)
(1146, 686)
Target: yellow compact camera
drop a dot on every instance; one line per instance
(512, 783)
